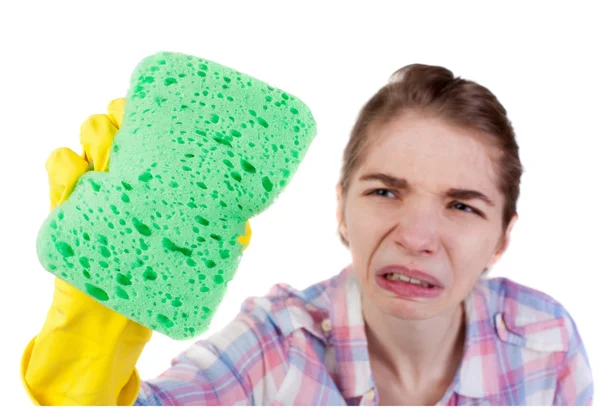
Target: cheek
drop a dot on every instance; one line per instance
(470, 251)
(365, 230)
(367, 226)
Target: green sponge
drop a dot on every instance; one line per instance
(202, 148)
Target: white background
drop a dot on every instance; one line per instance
(62, 62)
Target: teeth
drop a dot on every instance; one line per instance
(400, 277)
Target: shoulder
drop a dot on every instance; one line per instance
(526, 317)
(251, 352)
(289, 309)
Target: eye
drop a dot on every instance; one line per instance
(383, 192)
(465, 208)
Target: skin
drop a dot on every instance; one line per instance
(416, 344)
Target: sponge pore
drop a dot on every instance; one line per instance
(201, 149)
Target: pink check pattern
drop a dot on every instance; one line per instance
(309, 347)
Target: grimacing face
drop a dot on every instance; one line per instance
(415, 202)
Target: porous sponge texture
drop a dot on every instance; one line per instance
(201, 149)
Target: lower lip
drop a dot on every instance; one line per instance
(408, 289)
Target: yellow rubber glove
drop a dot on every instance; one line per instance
(85, 353)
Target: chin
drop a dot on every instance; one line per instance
(402, 308)
(407, 310)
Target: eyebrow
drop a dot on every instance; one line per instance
(403, 184)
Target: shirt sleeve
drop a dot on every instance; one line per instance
(574, 383)
(232, 367)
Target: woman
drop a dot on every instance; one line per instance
(427, 201)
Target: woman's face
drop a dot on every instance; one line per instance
(424, 199)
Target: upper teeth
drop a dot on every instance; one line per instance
(403, 278)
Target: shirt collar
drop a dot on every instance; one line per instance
(348, 336)
(480, 349)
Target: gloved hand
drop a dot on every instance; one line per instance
(85, 353)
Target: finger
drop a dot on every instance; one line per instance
(116, 109)
(245, 239)
(64, 168)
(96, 137)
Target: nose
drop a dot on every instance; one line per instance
(417, 229)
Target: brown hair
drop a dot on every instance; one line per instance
(434, 91)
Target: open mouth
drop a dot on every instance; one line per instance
(396, 280)
(402, 278)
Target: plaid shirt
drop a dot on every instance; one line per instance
(309, 348)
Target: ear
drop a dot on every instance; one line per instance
(503, 244)
(340, 212)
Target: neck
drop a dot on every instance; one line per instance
(416, 353)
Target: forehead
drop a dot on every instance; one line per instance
(432, 154)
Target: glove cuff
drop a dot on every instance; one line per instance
(85, 353)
